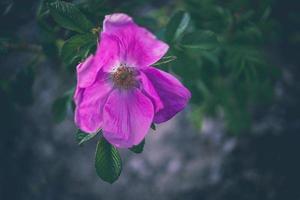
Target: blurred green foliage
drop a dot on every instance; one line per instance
(227, 78)
(219, 46)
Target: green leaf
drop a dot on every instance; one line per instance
(21, 86)
(153, 126)
(42, 8)
(201, 39)
(3, 45)
(60, 107)
(138, 148)
(266, 14)
(165, 59)
(78, 47)
(108, 162)
(177, 25)
(69, 16)
(82, 137)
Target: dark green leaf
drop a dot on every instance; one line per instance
(8, 7)
(138, 148)
(73, 106)
(61, 105)
(108, 162)
(266, 14)
(82, 137)
(59, 108)
(177, 25)
(153, 126)
(204, 40)
(245, 16)
(22, 86)
(78, 47)
(69, 16)
(165, 59)
(4, 43)
(42, 8)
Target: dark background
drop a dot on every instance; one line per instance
(181, 160)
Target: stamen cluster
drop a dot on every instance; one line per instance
(124, 77)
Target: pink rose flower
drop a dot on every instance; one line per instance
(117, 89)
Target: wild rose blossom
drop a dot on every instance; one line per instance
(119, 91)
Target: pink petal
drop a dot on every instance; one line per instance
(89, 104)
(86, 71)
(172, 93)
(138, 47)
(116, 21)
(149, 90)
(127, 117)
(105, 57)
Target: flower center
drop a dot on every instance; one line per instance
(124, 77)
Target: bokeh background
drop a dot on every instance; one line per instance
(237, 140)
